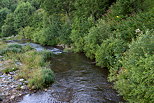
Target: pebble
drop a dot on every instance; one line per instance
(11, 73)
(23, 87)
(21, 80)
(18, 63)
(12, 97)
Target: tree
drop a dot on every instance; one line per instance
(22, 15)
(94, 8)
(8, 27)
(10, 4)
(80, 28)
(3, 14)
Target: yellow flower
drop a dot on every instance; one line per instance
(118, 16)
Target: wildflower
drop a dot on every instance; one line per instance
(118, 16)
(137, 30)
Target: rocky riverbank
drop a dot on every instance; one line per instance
(10, 87)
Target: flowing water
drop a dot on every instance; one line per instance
(77, 81)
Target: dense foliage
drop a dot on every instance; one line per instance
(117, 34)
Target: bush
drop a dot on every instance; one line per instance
(127, 29)
(80, 28)
(125, 8)
(48, 76)
(8, 28)
(110, 52)
(41, 78)
(3, 14)
(22, 15)
(135, 79)
(26, 32)
(97, 34)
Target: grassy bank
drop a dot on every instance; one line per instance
(34, 66)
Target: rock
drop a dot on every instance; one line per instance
(12, 97)
(45, 90)
(11, 73)
(18, 63)
(10, 77)
(13, 86)
(20, 95)
(21, 80)
(23, 87)
(26, 82)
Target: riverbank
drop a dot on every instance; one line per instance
(11, 88)
(22, 69)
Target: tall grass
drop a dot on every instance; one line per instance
(35, 68)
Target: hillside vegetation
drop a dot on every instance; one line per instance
(117, 34)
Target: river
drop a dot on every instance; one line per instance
(78, 80)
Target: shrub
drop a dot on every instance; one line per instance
(3, 14)
(47, 76)
(80, 28)
(41, 78)
(97, 34)
(135, 79)
(8, 28)
(126, 29)
(26, 32)
(22, 15)
(110, 52)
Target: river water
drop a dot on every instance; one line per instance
(77, 81)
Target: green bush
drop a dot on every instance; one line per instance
(97, 34)
(3, 14)
(110, 52)
(125, 8)
(135, 79)
(8, 28)
(133, 26)
(80, 28)
(26, 32)
(41, 78)
(47, 76)
(22, 15)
